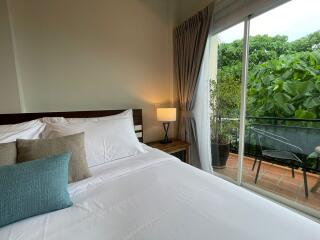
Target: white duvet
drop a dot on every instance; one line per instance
(154, 196)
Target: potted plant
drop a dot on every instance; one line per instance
(220, 143)
(225, 104)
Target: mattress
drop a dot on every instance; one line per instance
(155, 196)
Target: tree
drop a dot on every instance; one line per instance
(286, 87)
(262, 48)
(306, 44)
(224, 104)
(283, 76)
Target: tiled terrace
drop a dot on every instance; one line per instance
(276, 179)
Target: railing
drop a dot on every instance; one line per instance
(298, 122)
(304, 133)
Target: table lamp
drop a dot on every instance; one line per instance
(166, 115)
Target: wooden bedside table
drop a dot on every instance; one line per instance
(175, 147)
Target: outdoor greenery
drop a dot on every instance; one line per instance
(288, 86)
(284, 80)
(222, 95)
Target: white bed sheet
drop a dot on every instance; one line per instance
(154, 196)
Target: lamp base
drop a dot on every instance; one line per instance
(166, 138)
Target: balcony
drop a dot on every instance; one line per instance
(276, 179)
(282, 109)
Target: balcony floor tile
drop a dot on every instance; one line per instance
(276, 179)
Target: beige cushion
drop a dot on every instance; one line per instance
(8, 153)
(35, 149)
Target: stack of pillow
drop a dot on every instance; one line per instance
(39, 158)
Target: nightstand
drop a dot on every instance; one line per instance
(178, 148)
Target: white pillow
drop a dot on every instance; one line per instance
(126, 113)
(105, 140)
(25, 130)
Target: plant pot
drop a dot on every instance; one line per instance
(220, 154)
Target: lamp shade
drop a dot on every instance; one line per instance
(166, 114)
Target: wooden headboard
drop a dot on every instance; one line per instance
(23, 117)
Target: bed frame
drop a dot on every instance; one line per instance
(23, 117)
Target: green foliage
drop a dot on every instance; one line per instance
(230, 54)
(262, 48)
(286, 87)
(284, 77)
(224, 104)
(283, 81)
(306, 44)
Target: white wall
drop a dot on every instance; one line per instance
(84, 55)
(9, 96)
(63, 55)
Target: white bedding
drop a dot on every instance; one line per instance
(154, 196)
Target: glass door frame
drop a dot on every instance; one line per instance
(243, 101)
(299, 208)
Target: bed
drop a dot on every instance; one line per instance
(153, 195)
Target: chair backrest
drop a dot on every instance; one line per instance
(307, 138)
(268, 140)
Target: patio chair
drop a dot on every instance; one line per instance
(284, 153)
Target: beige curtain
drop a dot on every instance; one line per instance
(190, 40)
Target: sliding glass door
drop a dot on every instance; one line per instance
(225, 100)
(283, 103)
(267, 110)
